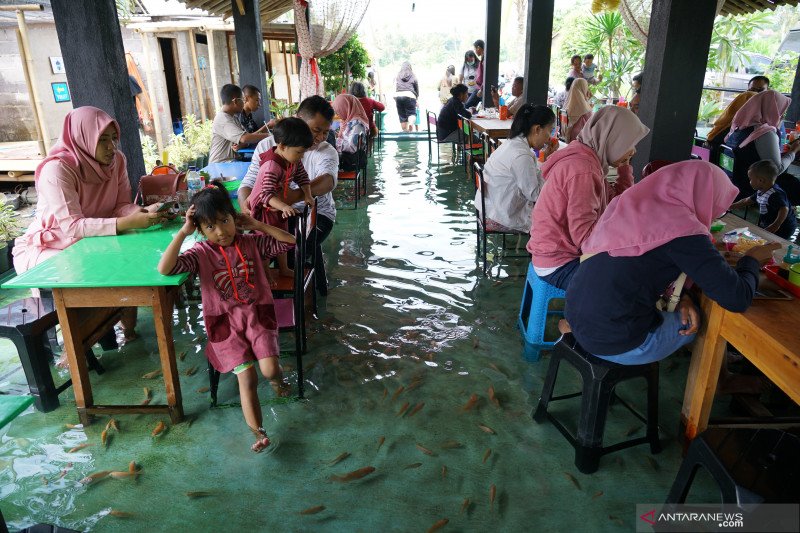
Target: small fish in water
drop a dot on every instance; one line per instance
(113, 423)
(73, 426)
(487, 454)
(473, 399)
(492, 494)
(104, 437)
(631, 431)
(573, 479)
(475, 343)
(465, 505)
(44, 481)
(146, 396)
(597, 494)
(153, 374)
(444, 471)
(381, 440)
(341, 457)
(355, 474)
(397, 392)
(424, 450)
(417, 408)
(159, 428)
(123, 475)
(132, 467)
(91, 478)
(385, 392)
(198, 494)
(403, 409)
(190, 371)
(654, 463)
(451, 445)
(313, 510)
(79, 447)
(439, 524)
(203, 390)
(412, 465)
(494, 367)
(120, 514)
(487, 429)
(416, 383)
(182, 355)
(492, 397)
(617, 520)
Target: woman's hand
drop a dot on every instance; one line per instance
(549, 148)
(763, 253)
(690, 318)
(188, 225)
(152, 208)
(140, 220)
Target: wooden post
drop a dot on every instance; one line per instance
(250, 50)
(537, 50)
(198, 84)
(151, 88)
(491, 54)
(30, 79)
(288, 76)
(212, 66)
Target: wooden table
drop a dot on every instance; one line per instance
(91, 280)
(766, 334)
(494, 127)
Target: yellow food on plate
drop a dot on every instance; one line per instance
(744, 244)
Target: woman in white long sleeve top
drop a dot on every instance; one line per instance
(512, 175)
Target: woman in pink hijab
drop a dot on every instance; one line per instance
(754, 137)
(643, 241)
(83, 191)
(576, 192)
(354, 121)
(578, 107)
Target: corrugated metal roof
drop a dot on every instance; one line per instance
(740, 7)
(270, 9)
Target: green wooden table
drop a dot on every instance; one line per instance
(91, 280)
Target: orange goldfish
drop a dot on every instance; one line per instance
(355, 474)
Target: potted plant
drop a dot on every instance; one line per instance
(9, 230)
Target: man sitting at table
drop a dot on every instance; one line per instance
(519, 98)
(321, 162)
(227, 133)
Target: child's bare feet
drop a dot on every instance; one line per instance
(262, 441)
(286, 273)
(281, 388)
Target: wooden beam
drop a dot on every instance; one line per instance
(27, 67)
(240, 6)
(150, 72)
(286, 70)
(197, 81)
(23, 7)
(212, 66)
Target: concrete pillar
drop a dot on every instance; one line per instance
(672, 84)
(491, 54)
(91, 45)
(538, 41)
(250, 51)
(793, 113)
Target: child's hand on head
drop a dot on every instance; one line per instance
(246, 222)
(188, 225)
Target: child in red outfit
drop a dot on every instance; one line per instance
(280, 165)
(237, 302)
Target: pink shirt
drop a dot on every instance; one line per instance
(68, 210)
(273, 174)
(573, 197)
(574, 129)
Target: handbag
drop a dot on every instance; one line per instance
(154, 188)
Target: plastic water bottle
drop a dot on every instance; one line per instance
(193, 182)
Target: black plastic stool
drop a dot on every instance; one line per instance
(26, 323)
(749, 465)
(600, 377)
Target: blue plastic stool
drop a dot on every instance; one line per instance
(533, 314)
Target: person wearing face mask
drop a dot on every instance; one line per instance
(576, 191)
(512, 173)
(469, 73)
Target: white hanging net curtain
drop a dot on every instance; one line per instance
(330, 24)
(636, 14)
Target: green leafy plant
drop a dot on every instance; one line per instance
(282, 108)
(730, 41)
(781, 72)
(194, 142)
(710, 108)
(346, 64)
(9, 224)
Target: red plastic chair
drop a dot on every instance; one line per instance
(652, 166)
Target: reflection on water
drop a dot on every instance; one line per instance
(409, 332)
